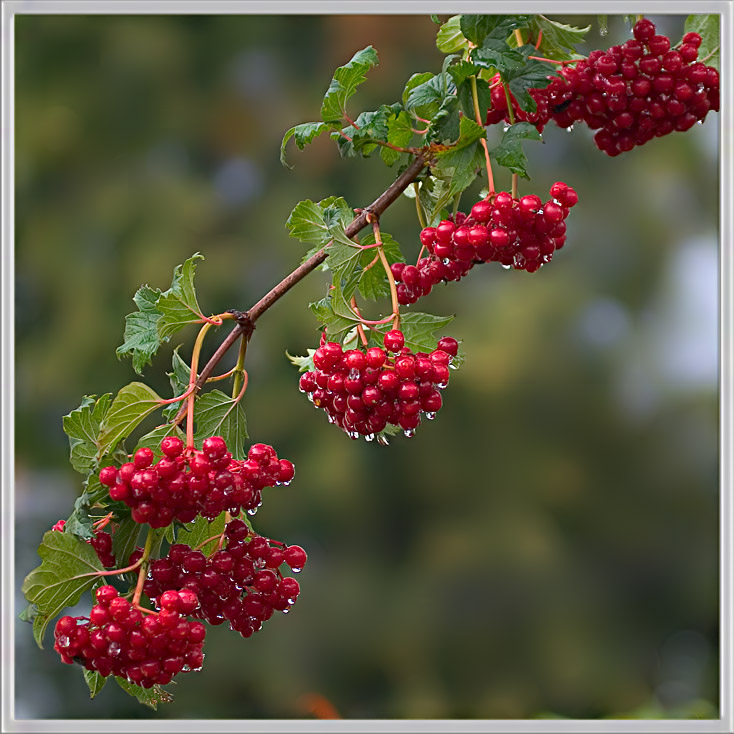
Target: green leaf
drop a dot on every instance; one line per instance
(124, 540)
(367, 128)
(54, 585)
(476, 27)
(461, 71)
(131, 405)
(419, 329)
(469, 133)
(426, 98)
(28, 614)
(79, 523)
(178, 305)
(466, 100)
(345, 82)
(196, 532)
(82, 426)
(449, 38)
(141, 338)
(495, 52)
(445, 124)
(304, 364)
(558, 40)
(320, 223)
(707, 26)
(531, 75)
(150, 697)
(415, 81)
(509, 152)
(400, 133)
(434, 195)
(334, 323)
(218, 414)
(303, 134)
(95, 682)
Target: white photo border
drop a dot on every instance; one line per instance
(724, 8)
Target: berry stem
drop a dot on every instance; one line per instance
(478, 117)
(385, 264)
(144, 563)
(239, 368)
(518, 38)
(708, 56)
(355, 308)
(515, 180)
(192, 385)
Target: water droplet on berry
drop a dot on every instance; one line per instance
(291, 601)
(296, 570)
(369, 437)
(442, 385)
(186, 668)
(383, 440)
(285, 611)
(286, 484)
(409, 432)
(353, 373)
(63, 641)
(505, 127)
(430, 416)
(506, 267)
(114, 649)
(569, 129)
(252, 511)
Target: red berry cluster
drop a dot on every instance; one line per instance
(630, 93)
(117, 639)
(240, 583)
(101, 542)
(520, 233)
(187, 483)
(365, 391)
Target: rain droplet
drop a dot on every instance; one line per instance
(186, 668)
(409, 432)
(569, 129)
(285, 611)
(442, 385)
(287, 484)
(297, 570)
(252, 511)
(506, 267)
(430, 416)
(291, 601)
(114, 649)
(505, 127)
(353, 373)
(603, 30)
(383, 440)
(63, 641)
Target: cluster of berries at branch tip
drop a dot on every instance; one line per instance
(364, 391)
(240, 583)
(522, 233)
(119, 639)
(186, 483)
(630, 93)
(101, 542)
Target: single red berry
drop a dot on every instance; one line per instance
(295, 557)
(394, 340)
(143, 458)
(449, 345)
(214, 447)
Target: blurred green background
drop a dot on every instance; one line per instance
(548, 546)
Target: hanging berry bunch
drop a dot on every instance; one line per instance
(161, 536)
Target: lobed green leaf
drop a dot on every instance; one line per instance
(302, 134)
(196, 532)
(178, 305)
(60, 580)
(345, 82)
(150, 697)
(419, 329)
(141, 337)
(304, 364)
(95, 682)
(131, 405)
(558, 40)
(707, 26)
(449, 38)
(218, 414)
(509, 152)
(82, 426)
